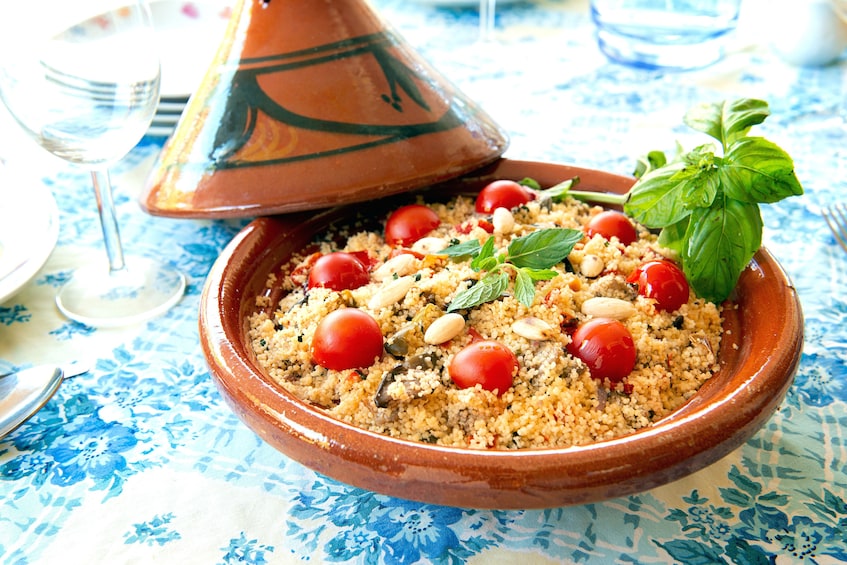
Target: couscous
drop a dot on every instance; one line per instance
(450, 332)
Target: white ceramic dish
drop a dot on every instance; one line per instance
(29, 229)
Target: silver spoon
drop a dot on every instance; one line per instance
(25, 392)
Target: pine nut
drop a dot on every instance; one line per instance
(399, 265)
(591, 266)
(429, 245)
(391, 293)
(503, 221)
(444, 328)
(605, 307)
(532, 328)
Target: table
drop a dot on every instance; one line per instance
(140, 460)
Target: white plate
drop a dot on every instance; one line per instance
(29, 228)
(189, 34)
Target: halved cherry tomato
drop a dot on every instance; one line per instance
(662, 281)
(502, 194)
(409, 223)
(488, 363)
(338, 271)
(346, 339)
(610, 223)
(606, 347)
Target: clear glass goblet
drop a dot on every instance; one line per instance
(486, 20)
(82, 79)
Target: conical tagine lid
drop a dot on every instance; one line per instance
(310, 104)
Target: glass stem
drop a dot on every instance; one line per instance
(108, 219)
(486, 19)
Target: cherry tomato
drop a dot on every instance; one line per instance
(662, 281)
(502, 194)
(408, 224)
(487, 363)
(606, 346)
(612, 224)
(338, 271)
(346, 339)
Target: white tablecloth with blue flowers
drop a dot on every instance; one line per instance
(140, 460)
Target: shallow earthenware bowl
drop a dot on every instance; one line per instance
(759, 356)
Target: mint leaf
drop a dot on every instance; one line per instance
(721, 240)
(531, 257)
(540, 274)
(469, 248)
(524, 288)
(488, 288)
(543, 248)
(756, 170)
(485, 260)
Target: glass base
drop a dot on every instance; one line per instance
(660, 56)
(142, 290)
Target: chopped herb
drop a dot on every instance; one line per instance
(530, 257)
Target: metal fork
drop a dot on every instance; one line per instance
(167, 115)
(836, 218)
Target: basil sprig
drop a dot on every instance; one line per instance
(531, 257)
(706, 201)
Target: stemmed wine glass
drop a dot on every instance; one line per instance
(486, 20)
(82, 79)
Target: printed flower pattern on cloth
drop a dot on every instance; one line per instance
(148, 402)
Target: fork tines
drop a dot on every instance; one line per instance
(836, 218)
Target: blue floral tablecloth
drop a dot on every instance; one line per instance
(140, 460)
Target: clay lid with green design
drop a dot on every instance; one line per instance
(310, 104)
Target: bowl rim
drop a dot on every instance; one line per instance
(696, 435)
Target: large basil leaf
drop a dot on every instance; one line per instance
(728, 120)
(721, 240)
(656, 200)
(756, 170)
(700, 176)
(673, 236)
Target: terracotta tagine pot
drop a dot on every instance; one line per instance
(309, 104)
